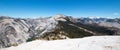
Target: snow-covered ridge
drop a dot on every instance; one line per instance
(97, 17)
(87, 43)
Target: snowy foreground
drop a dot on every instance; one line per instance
(87, 43)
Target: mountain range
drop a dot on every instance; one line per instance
(15, 31)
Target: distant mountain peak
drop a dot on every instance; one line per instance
(59, 17)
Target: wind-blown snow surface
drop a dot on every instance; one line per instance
(87, 43)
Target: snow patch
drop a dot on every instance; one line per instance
(87, 43)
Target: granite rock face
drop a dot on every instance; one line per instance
(13, 32)
(16, 31)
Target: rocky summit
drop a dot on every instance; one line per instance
(14, 31)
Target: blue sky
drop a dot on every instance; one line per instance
(46, 8)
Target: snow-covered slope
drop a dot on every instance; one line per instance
(87, 43)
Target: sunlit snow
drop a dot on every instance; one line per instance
(87, 43)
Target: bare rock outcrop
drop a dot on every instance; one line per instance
(15, 31)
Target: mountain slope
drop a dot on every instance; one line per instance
(15, 31)
(87, 43)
